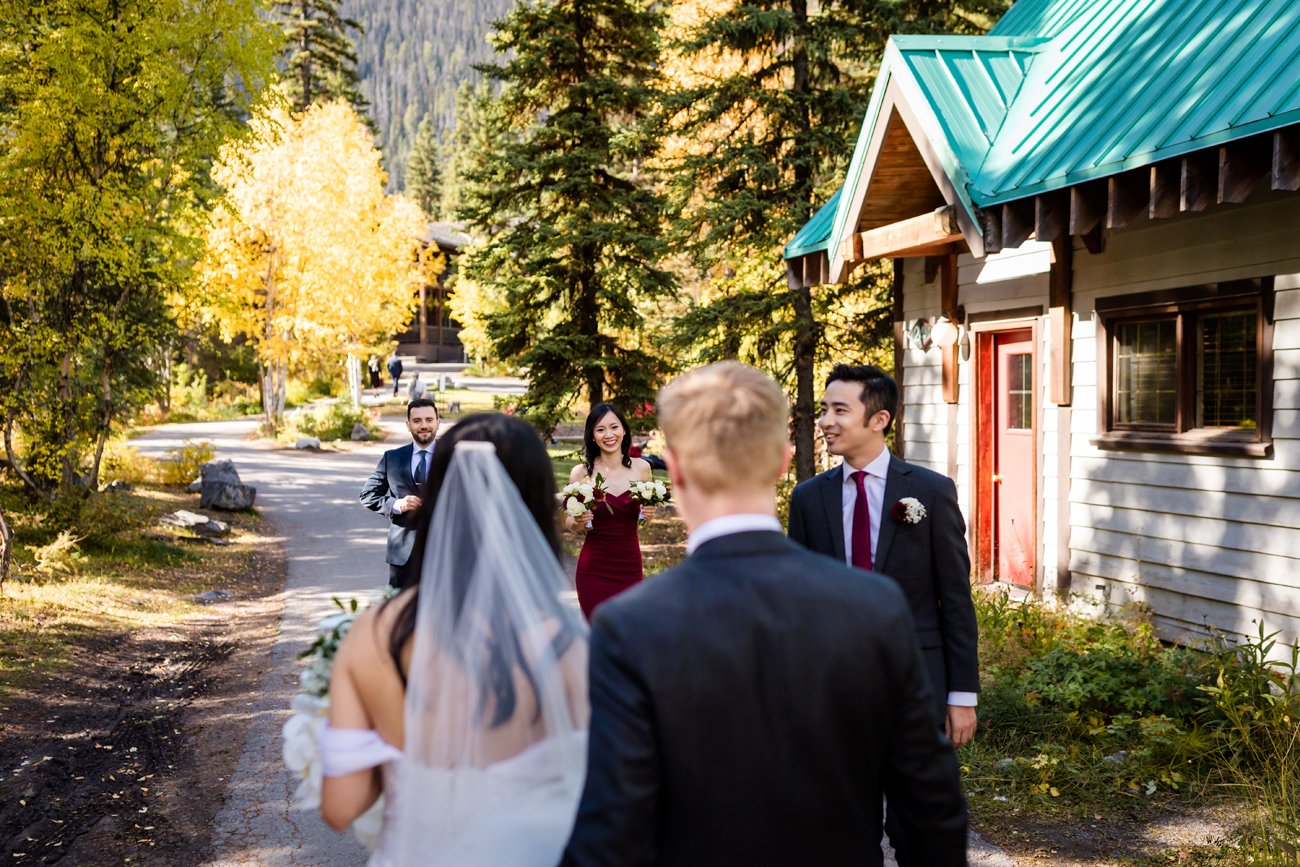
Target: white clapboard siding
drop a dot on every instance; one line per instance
(1228, 535)
(1203, 474)
(1181, 615)
(1269, 575)
(1251, 509)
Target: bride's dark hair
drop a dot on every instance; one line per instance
(520, 450)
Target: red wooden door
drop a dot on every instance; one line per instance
(1013, 457)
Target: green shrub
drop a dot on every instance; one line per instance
(1077, 708)
(331, 422)
(58, 558)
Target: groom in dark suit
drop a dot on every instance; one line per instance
(752, 705)
(393, 489)
(878, 513)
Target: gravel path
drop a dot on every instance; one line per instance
(334, 547)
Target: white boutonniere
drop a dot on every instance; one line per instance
(909, 511)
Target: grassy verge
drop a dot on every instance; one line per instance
(123, 572)
(1085, 721)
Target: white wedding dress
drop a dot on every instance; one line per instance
(496, 700)
(517, 812)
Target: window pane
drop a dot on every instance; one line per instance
(1225, 359)
(1146, 372)
(1020, 392)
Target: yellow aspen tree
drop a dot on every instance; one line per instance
(306, 256)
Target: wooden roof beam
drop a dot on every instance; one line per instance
(1128, 195)
(991, 222)
(1242, 165)
(1166, 188)
(1286, 159)
(1051, 215)
(1087, 206)
(915, 236)
(1017, 222)
(1199, 182)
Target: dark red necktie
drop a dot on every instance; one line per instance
(861, 523)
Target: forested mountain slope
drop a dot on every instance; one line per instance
(412, 59)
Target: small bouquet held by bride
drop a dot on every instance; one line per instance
(651, 492)
(580, 497)
(302, 731)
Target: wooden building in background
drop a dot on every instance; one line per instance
(433, 335)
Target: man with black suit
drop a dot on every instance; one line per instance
(877, 512)
(393, 488)
(753, 704)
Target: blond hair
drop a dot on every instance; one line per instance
(727, 426)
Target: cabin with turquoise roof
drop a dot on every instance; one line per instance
(1093, 218)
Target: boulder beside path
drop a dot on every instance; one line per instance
(220, 488)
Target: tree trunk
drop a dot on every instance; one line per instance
(807, 332)
(805, 358)
(6, 539)
(354, 380)
(274, 379)
(12, 457)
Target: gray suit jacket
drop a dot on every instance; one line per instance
(930, 561)
(391, 481)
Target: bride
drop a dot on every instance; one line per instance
(463, 701)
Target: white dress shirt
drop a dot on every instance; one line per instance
(877, 473)
(729, 525)
(415, 459)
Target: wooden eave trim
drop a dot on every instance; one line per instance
(967, 228)
(923, 235)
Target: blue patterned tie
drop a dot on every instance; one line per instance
(420, 469)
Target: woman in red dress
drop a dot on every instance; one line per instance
(610, 561)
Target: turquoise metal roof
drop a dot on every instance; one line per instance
(1065, 91)
(816, 233)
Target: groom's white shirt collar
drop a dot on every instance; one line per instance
(729, 525)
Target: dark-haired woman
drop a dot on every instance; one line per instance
(610, 561)
(463, 699)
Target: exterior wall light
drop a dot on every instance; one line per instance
(944, 333)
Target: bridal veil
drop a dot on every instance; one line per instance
(496, 703)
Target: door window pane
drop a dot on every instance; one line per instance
(1146, 372)
(1225, 360)
(1020, 392)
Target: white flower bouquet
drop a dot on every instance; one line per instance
(652, 492)
(579, 497)
(310, 712)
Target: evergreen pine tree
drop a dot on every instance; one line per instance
(572, 230)
(791, 99)
(320, 60)
(423, 176)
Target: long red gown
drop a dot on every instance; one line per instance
(610, 561)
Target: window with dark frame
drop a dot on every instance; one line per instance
(1187, 370)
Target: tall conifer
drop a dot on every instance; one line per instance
(320, 60)
(423, 175)
(768, 134)
(572, 230)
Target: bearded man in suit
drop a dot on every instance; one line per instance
(879, 513)
(393, 489)
(753, 704)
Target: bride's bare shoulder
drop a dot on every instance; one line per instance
(367, 641)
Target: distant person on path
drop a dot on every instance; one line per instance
(610, 561)
(879, 513)
(752, 705)
(394, 488)
(463, 700)
(417, 389)
(395, 371)
(374, 367)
